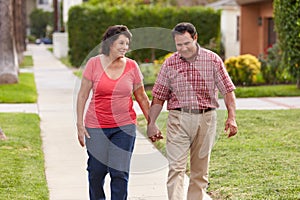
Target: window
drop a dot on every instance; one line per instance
(271, 32)
(237, 28)
(43, 2)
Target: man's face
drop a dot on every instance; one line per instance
(186, 45)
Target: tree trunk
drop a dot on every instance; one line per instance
(19, 14)
(56, 15)
(8, 55)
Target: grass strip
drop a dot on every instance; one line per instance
(22, 92)
(21, 158)
(27, 62)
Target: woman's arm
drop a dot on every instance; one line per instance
(142, 99)
(83, 94)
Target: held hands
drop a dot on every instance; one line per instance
(154, 133)
(232, 126)
(82, 132)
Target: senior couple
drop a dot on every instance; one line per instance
(189, 81)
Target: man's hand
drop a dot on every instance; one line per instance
(232, 126)
(82, 132)
(154, 133)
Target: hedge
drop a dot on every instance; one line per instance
(150, 25)
(287, 24)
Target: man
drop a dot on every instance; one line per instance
(189, 81)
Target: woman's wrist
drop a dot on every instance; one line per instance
(78, 124)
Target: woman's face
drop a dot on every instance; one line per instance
(119, 47)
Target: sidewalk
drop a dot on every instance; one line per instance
(65, 159)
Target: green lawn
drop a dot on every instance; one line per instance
(267, 91)
(27, 62)
(22, 92)
(21, 158)
(261, 162)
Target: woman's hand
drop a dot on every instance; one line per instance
(82, 132)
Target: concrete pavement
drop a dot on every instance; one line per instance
(65, 159)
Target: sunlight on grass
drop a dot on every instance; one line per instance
(22, 92)
(261, 162)
(66, 61)
(267, 91)
(27, 62)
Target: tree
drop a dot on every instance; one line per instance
(8, 55)
(287, 24)
(19, 15)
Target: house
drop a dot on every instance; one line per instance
(230, 18)
(60, 38)
(67, 4)
(45, 5)
(256, 26)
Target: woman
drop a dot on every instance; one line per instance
(109, 128)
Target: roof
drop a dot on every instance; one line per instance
(222, 3)
(242, 2)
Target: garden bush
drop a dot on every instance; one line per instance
(272, 70)
(287, 25)
(39, 20)
(243, 69)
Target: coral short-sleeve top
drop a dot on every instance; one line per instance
(111, 104)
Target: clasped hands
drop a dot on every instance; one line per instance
(154, 134)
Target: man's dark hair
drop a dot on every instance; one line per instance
(111, 35)
(183, 27)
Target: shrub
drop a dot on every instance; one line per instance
(287, 25)
(243, 69)
(159, 62)
(39, 20)
(272, 70)
(87, 23)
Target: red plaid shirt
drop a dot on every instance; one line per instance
(195, 84)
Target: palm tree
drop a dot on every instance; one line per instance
(19, 15)
(8, 55)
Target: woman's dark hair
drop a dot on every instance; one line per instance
(183, 27)
(112, 34)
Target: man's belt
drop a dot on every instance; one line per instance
(194, 111)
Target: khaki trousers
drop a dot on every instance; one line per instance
(195, 133)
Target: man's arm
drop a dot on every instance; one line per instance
(231, 107)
